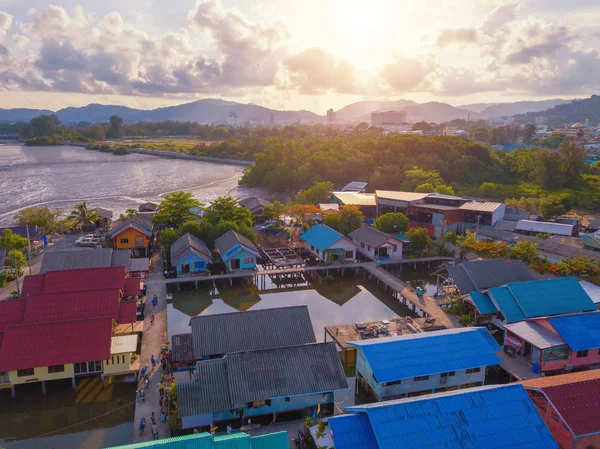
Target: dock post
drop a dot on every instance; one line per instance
(13, 391)
(102, 379)
(214, 284)
(231, 282)
(196, 284)
(73, 383)
(178, 286)
(44, 386)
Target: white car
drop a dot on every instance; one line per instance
(86, 241)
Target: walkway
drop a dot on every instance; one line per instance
(516, 367)
(425, 303)
(152, 341)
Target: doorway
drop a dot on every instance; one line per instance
(235, 264)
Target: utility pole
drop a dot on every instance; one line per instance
(16, 271)
(28, 249)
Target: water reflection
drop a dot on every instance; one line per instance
(90, 417)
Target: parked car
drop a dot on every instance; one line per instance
(87, 241)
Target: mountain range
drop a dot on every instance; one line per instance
(217, 111)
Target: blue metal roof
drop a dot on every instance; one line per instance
(493, 417)
(277, 440)
(579, 331)
(194, 441)
(321, 237)
(483, 303)
(422, 354)
(238, 440)
(352, 432)
(521, 300)
(507, 304)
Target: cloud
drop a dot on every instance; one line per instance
(499, 17)
(315, 72)
(456, 36)
(407, 74)
(5, 24)
(534, 39)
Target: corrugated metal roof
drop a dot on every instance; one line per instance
(137, 264)
(182, 347)
(481, 274)
(481, 206)
(544, 227)
(56, 343)
(238, 440)
(44, 308)
(132, 287)
(356, 198)
(121, 257)
(352, 432)
(193, 441)
(123, 343)
(329, 207)
(495, 417)
(141, 222)
(580, 331)
(563, 379)
(277, 440)
(104, 213)
(230, 240)
(82, 258)
(592, 290)
(355, 186)
(246, 331)
(188, 244)
(33, 284)
(85, 279)
(400, 196)
(127, 312)
(536, 334)
(369, 236)
(483, 303)
(321, 237)
(11, 312)
(427, 353)
(242, 377)
(520, 300)
(255, 204)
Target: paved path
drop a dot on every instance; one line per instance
(425, 303)
(153, 339)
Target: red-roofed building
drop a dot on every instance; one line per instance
(57, 350)
(11, 312)
(127, 312)
(132, 287)
(570, 406)
(33, 284)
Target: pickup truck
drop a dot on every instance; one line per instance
(87, 241)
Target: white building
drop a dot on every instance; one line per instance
(376, 245)
(329, 245)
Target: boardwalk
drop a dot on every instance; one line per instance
(152, 341)
(424, 303)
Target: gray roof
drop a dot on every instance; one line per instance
(246, 331)
(120, 258)
(104, 213)
(230, 239)
(481, 274)
(80, 258)
(141, 221)
(236, 379)
(182, 347)
(369, 236)
(137, 264)
(254, 203)
(536, 334)
(594, 224)
(147, 207)
(188, 244)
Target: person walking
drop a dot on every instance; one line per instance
(161, 389)
(142, 425)
(152, 320)
(153, 419)
(154, 432)
(153, 361)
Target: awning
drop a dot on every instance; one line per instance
(335, 251)
(123, 344)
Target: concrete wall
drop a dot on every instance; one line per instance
(41, 374)
(191, 260)
(409, 385)
(499, 214)
(118, 363)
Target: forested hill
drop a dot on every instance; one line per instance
(576, 111)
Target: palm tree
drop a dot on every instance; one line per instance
(128, 213)
(82, 216)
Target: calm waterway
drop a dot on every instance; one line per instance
(61, 176)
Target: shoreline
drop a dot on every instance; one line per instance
(192, 157)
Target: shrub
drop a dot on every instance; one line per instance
(464, 320)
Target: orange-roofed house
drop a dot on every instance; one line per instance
(135, 234)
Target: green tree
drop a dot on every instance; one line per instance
(275, 210)
(128, 213)
(392, 223)
(553, 140)
(547, 170)
(419, 240)
(226, 208)
(174, 209)
(43, 125)
(166, 238)
(525, 251)
(320, 192)
(15, 260)
(41, 217)
(572, 158)
(553, 206)
(489, 189)
(528, 134)
(362, 126)
(426, 187)
(417, 176)
(444, 189)
(115, 126)
(13, 242)
(346, 220)
(82, 217)
(422, 126)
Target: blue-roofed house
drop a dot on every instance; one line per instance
(189, 255)
(237, 251)
(555, 344)
(490, 417)
(328, 245)
(425, 363)
(519, 301)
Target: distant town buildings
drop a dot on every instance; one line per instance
(232, 119)
(383, 118)
(330, 116)
(271, 118)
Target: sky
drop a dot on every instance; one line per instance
(290, 54)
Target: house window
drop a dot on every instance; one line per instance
(139, 242)
(256, 404)
(198, 264)
(56, 369)
(583, 353)
(124, 241)
(473, 370)
(448, 374)
(4, 378)
(88, 367)
(349, 254)
(25, 372)
(420, 378)
(392, 383)
(248, 260)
